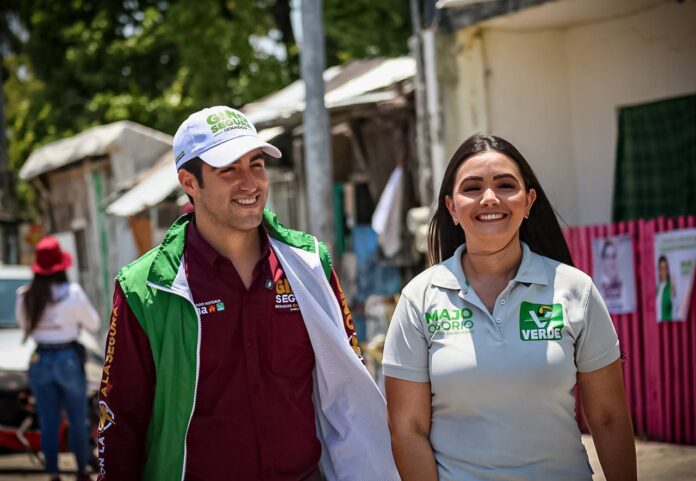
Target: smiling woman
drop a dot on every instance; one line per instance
(486, 346)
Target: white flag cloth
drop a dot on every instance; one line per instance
(386, 220)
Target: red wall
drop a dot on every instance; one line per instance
(660, 366)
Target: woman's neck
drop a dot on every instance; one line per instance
(498, 264)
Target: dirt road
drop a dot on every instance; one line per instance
(656, 462)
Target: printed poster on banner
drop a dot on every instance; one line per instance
(613, 274)
(675, 259)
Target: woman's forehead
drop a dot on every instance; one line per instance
(488, 164)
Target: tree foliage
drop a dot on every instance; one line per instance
(73, 64)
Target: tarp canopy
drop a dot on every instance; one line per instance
(125, 137)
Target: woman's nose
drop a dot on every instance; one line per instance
(489, 198)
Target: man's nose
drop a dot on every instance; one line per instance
(247, 181)
(489, 198)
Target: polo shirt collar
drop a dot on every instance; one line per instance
(450, 275)
(532, 269)
(212, 258)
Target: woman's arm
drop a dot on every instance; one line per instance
(604, 404)
(408, 404)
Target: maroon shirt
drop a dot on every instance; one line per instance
(254, 415)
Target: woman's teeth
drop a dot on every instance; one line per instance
(491, 216)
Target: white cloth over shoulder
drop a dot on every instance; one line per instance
(351, 412)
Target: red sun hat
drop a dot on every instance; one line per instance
(49, 258)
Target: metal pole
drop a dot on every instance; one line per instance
(437, 148)
(425, 187)
(317, 145)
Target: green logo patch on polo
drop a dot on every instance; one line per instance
(541, 322)
(450, 321)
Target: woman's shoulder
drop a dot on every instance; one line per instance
(439, 275)
(75, 290)
(563, 274)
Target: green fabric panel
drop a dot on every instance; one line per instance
(296, 238)
(656, 160)
(171, 325)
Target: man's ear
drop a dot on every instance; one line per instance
(188, 182)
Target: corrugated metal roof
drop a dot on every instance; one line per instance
(350, 84)
(153, 187)
(93, 142)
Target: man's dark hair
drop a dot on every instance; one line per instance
(541, 231)
(195, 167)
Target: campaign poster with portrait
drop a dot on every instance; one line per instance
(675, 259)
(613, 273)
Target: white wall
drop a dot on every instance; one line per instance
(642, 58)
(528, 105)
(555, 92)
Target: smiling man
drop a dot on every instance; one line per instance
(231, 351)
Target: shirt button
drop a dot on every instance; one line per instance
(498, 320)
(502, 301)
(264, 429)
(256, 388)
(250, 343)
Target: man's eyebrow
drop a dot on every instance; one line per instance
(258, 156)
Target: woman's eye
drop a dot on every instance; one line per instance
(506, 186)
(470, 188)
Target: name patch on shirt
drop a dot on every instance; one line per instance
(285, 299)
(209, 307)
(541, 322)
(450, 321)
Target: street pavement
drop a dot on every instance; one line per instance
(656, 462)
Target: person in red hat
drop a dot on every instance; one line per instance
(52, 311)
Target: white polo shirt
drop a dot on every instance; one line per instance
(502, 384)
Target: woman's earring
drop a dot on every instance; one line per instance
(526, 215)
(456, 222)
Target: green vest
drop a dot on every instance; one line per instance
(163, 305)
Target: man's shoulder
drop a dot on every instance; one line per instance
(138, 267)
(297, 239)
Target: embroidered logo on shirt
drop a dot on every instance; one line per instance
(285, 299)
(106, 417)
(210, 306)
(541, 322)
(450, 321)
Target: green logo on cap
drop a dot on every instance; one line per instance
(181, 154)
(541, 322)
(225, 120)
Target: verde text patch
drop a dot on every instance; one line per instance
(541, 322)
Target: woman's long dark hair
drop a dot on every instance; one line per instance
(541, 231)
(37, 297)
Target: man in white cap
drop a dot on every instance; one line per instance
(231, 351)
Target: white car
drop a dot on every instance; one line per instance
(18, 426)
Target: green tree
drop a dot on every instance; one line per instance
(73, 64)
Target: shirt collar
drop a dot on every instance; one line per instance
(450, 275)
(207, 253)
(532, 269)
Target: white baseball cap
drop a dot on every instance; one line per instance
(219, 136)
